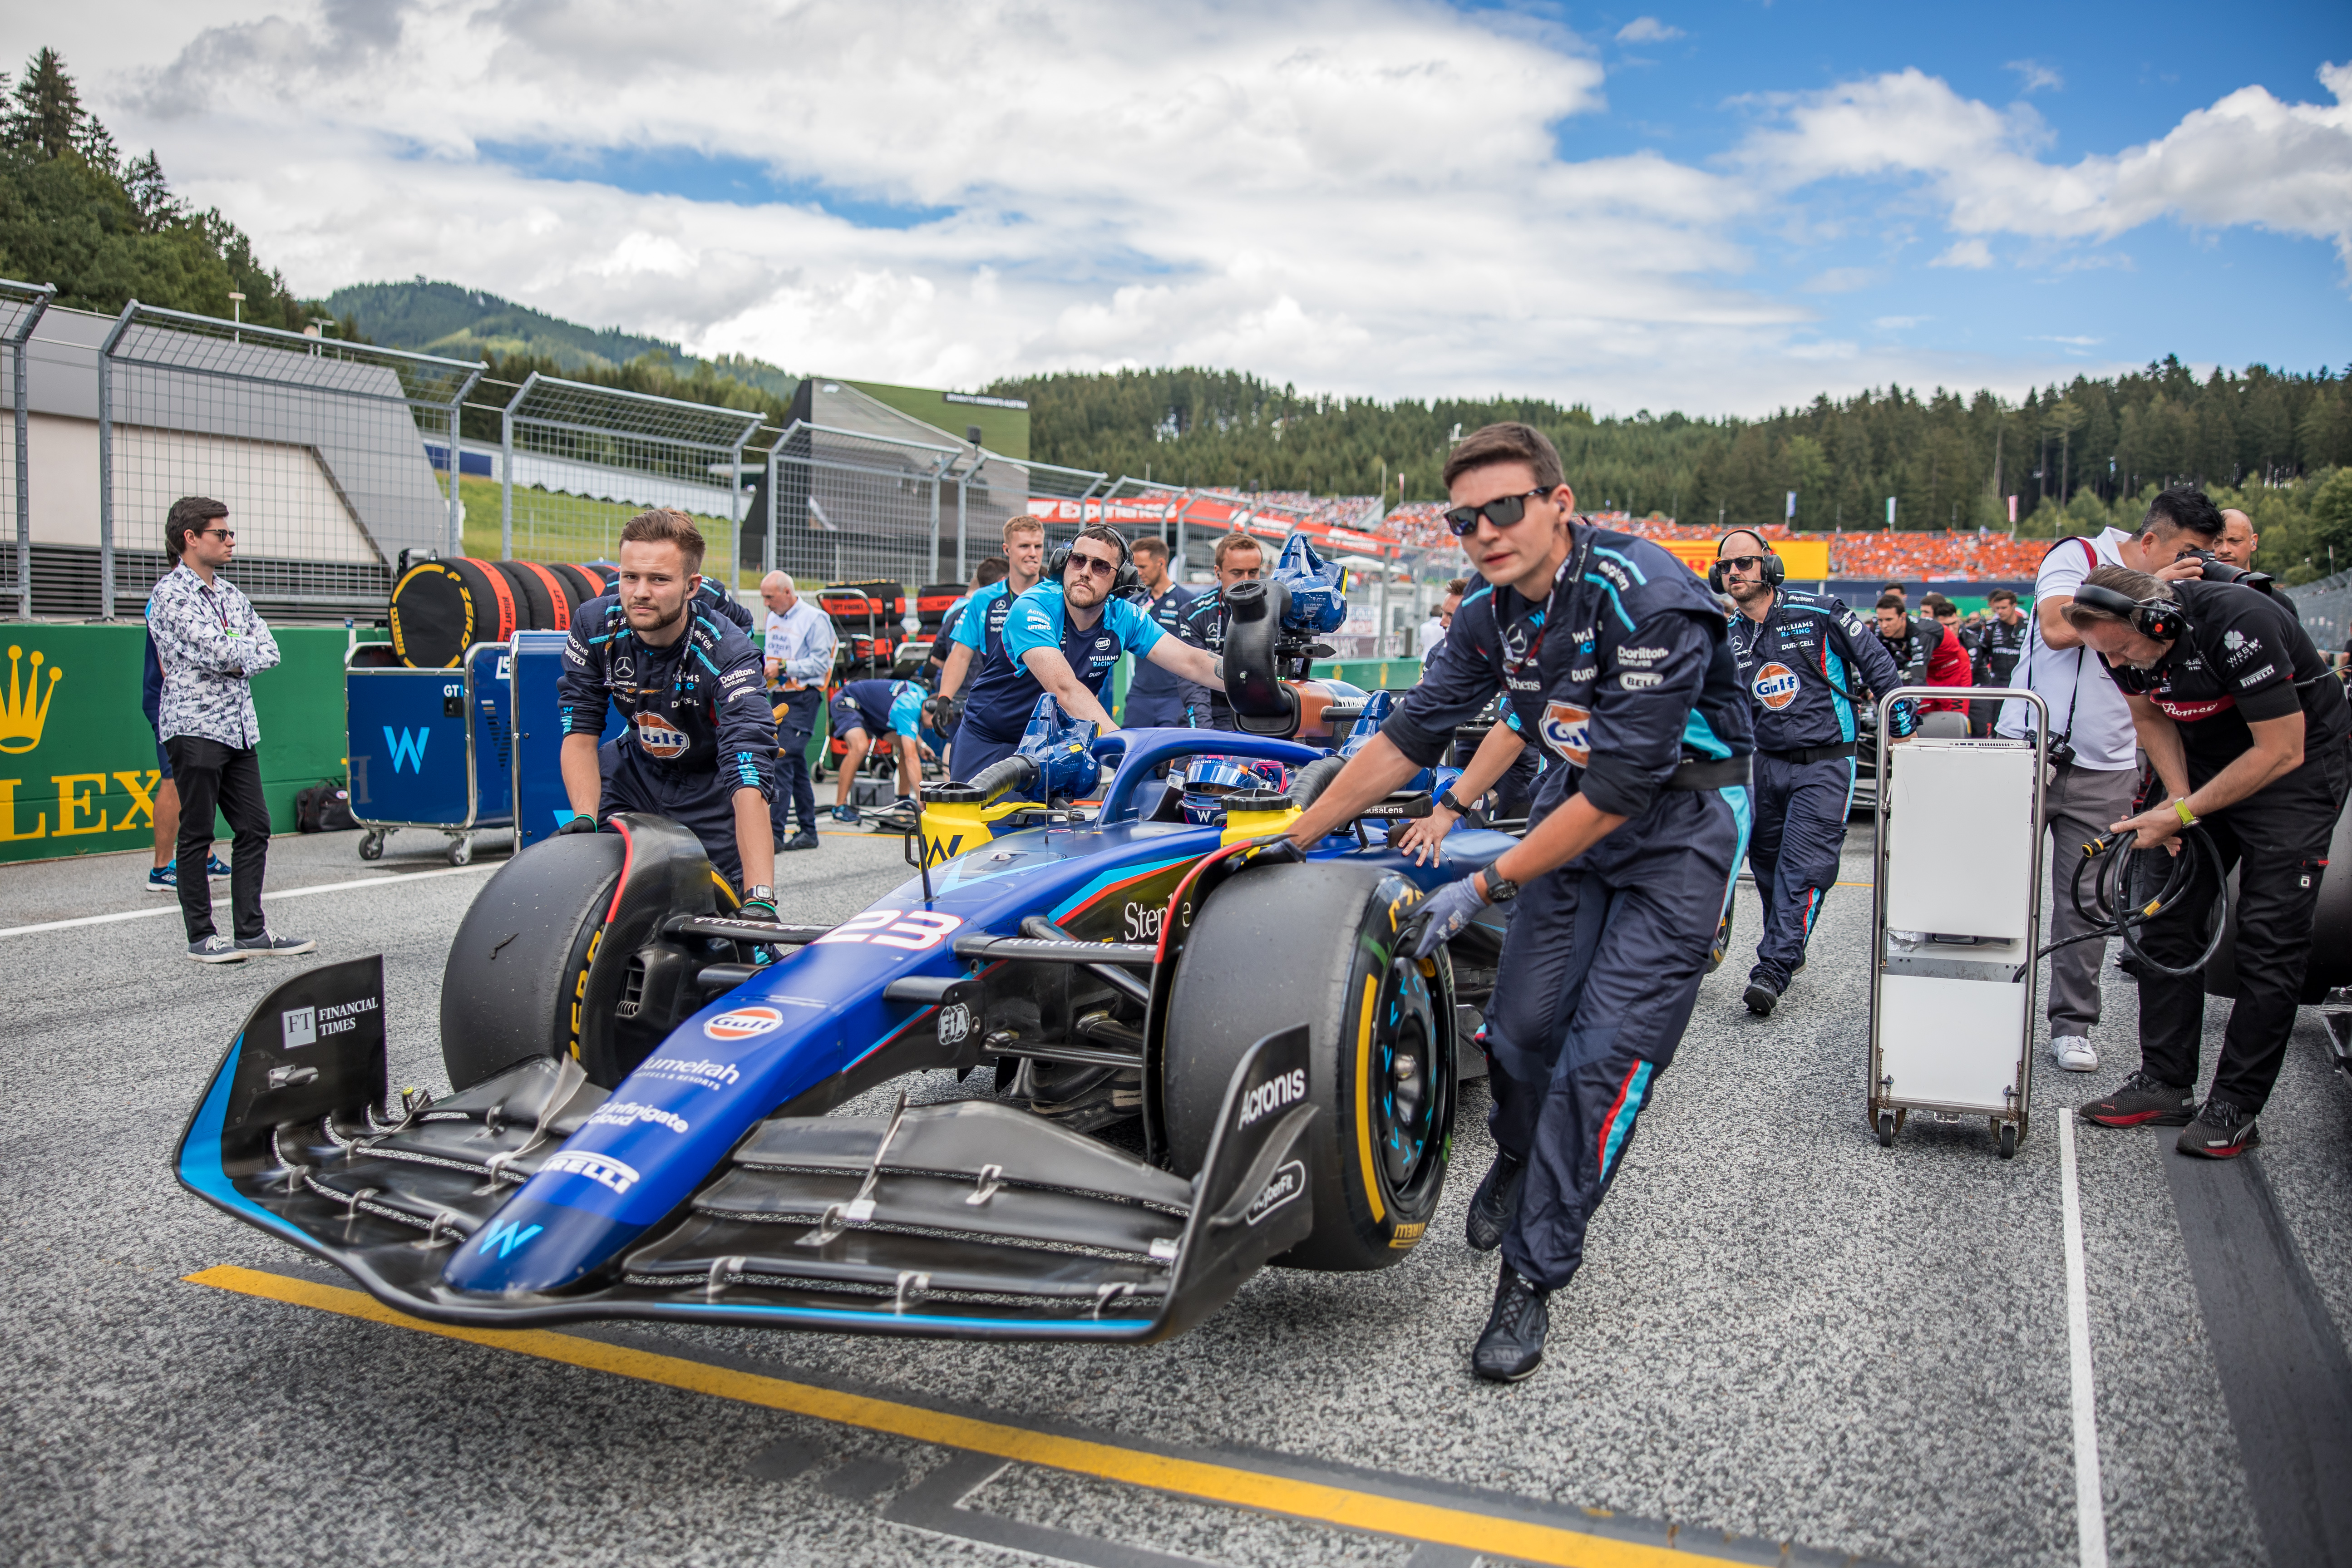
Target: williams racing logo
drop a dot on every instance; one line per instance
(1567, 728)
(659, 738)
(1775, 686)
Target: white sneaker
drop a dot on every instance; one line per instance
(2074, 1053)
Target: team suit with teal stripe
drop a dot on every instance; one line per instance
(698, 724)
(1005, 693)
(1804, 666)
(1625, 676)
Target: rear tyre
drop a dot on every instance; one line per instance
(518, 968)
(1382, 1047)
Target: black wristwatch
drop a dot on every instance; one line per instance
(760, 893)
(1445, 798)
(1500, 890)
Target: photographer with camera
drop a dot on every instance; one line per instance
(2094, 751)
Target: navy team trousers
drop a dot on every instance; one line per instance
(1801, 811)
(1596, 981)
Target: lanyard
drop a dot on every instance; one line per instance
(1572, 567)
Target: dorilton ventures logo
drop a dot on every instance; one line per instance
(27, 707)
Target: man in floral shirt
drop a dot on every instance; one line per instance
(210, 641)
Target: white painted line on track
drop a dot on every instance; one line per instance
(173, 907)
(2090, 1507)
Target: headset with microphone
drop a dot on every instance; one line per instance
(1774, 570)
(1058, 562)
(2158, 618)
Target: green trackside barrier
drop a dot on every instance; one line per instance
(77, 769)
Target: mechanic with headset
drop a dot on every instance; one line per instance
(1808, 662)
(1238, 559)
(864, 710)
(976, 634)
(2247, 732)
(2093, 760)
(701, 747)
(1618, 660)
(1063, 638)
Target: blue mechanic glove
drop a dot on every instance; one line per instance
(1449, 909)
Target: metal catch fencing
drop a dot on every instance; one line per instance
(576, 462)
(21, 307)
(2325, 607)
(314, 445)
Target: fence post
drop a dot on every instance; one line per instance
(458, 465)
(775, 477)
(931, 564)
(23, 337)
(506, 471)
(735, 511)
(106, 461)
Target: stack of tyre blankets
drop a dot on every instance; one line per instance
(441, 609)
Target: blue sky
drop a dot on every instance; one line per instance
(1718, 207)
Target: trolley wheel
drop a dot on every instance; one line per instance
(2008, 1140)
(1886, 1129)
(372, 845)
(461, 850)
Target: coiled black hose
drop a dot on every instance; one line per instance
(2115, 911)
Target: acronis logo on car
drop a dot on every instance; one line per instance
(1273, 1095)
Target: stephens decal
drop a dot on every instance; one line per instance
(1775, 686)
(1566, 728)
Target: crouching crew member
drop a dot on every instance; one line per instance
(1617, 659)
(1065, 637)
(863, 713)
(700, 746)
(1801, 657)
(2247, 732)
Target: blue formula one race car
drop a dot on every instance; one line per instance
(1210, 1051)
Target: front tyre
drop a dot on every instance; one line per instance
(1313, 943)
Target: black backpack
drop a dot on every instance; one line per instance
(325, 808)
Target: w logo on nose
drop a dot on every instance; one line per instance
(506, 1237)
(408, 748)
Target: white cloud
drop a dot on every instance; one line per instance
(2075, 343)
(1647, 30)
(2250, 159)
(1899, 323)
(2032, 76)
(1968, 253)
(1840, 280)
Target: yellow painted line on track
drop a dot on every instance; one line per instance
(1344, 1507)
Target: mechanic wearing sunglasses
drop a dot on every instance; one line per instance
(1801, 656)
(1617, 659)
(1065, 637)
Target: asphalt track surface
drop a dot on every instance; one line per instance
(1787, 1344)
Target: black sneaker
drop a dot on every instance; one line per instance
(1760, 998)
(1512, 1345)
(1494, 1202)
(2141, 1102)
(805, 839)
(270, 945)
(2221, 1132)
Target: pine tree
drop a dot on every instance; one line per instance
(45, 114)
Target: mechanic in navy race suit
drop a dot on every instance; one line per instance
(863, 712)
(1806, 661)
(977, 633)
(1617, 657)
(1155, 698)
(1065, 637)
(700, 746)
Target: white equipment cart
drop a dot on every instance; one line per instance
(1956, 916)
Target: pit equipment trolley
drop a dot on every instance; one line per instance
(428, 748)
(1956, 917)
(540, 803)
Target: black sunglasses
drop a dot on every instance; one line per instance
(1740, 563)
(1095, 565)
(1502, 511)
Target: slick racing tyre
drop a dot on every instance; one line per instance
(1312, 945)
(518, 969)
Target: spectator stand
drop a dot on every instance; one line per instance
(316, 446)
(21, 307)
(576, 462)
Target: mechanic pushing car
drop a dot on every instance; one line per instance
(865, 712)
(2235, 707)
(1618, 658)
(700, 745)
(1800, 654)
(1063, 639)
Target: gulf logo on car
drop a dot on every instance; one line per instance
(1775, 686)
(659, 738)
(743, 1022)
(1565, 729)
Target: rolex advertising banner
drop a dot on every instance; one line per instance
(78, 765)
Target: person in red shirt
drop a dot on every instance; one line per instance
(1927, 652)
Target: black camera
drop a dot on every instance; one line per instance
(2061, 753)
